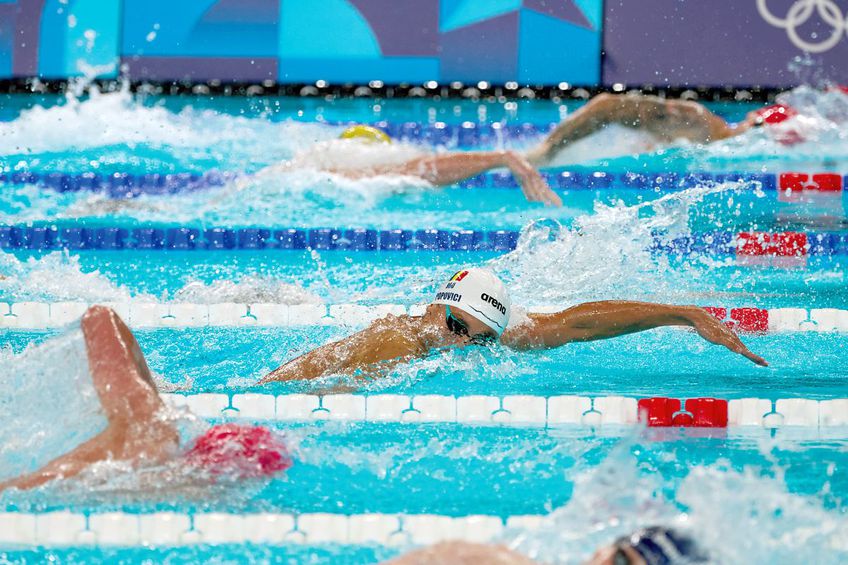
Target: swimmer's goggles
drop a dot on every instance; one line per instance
(459, 327)
(658, 546)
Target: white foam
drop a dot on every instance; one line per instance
(616, 141)
(247, 290)
(121, 119)
(820, 122)
(621, 496)
(605, 255)
(57, 276)
(354, 155)
(50, 378)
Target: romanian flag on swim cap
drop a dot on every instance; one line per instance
(458, 276)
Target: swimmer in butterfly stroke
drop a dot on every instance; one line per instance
(472, 307)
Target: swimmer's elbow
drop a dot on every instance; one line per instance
(523, 339)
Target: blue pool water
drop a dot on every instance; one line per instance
(784, 488)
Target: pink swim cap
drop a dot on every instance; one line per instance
(241, 451)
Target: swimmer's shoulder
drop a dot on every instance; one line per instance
(398, 328)
(400, 323)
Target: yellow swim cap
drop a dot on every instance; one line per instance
(366, 133)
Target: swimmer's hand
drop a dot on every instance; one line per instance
(714, 331)
(533, 186)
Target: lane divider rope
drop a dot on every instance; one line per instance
(75, 237)
(65, 528)
(40, 315)
(520, 410)
(131, 185)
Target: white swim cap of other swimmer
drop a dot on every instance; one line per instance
(480, 294)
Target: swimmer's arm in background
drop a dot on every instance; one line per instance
(449, 168)
(668, 119)
(612, 318)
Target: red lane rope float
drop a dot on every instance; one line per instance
(659, 412)
(778, 244)
(752, 320)
(821, 182)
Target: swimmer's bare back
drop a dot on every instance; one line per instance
(129, 399)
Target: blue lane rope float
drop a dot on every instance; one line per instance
(127, 185)
(120, 184)
(345, 239)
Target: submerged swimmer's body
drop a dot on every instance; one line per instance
(472, 307)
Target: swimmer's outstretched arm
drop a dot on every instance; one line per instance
(669, 119)
(128, 397)
(603, 320)
(449, 168)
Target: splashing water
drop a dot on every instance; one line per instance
(248, 290)
(605, 255)
(129, 132)
(54, 377)
(823, 114)
(619, 497)
(58, 276)
(820, 123)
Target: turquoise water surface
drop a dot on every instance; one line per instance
(766, 495)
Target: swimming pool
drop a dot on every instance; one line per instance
(483, 443)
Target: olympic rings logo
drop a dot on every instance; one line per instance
(800, 13)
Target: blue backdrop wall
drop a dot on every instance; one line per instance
(533, 41)
(537, 42)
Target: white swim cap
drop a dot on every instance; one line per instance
(480, 294)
